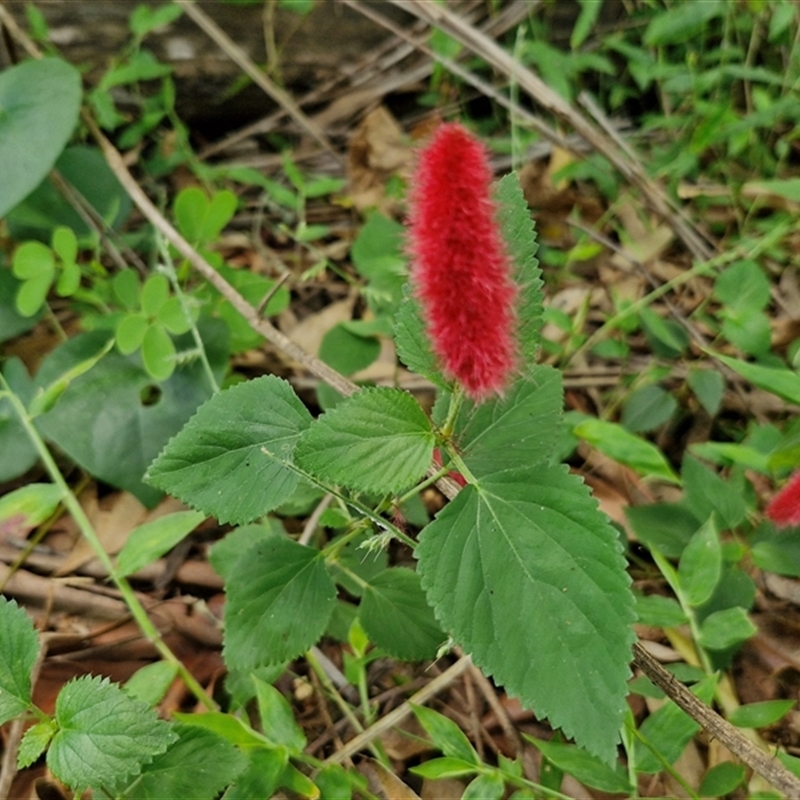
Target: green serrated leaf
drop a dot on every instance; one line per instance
(412, 342)
(228, 550)
(520, 429)
(105, 737)
(228, 459)
(277, 718)
(588, 769)
(446, 735)
(519, 234)
(198, 766)
(19, 648)
(396, 616)
(377, 440)
(700, 567)
(151, 540)
(532, 540)
(34, 742)
(280, 597)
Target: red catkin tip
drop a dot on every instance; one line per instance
(461, 272)
(784, 508)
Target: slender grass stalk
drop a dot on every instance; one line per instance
(167, 267)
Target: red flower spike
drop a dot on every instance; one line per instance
(461, 271)
(784, 508)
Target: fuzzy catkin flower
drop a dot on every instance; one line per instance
(460, 271)
(784, 508)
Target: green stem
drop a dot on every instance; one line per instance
(380, 521)
(456, 401)
(72, 505)
(459, 464)
(429, 481)
(169, 269)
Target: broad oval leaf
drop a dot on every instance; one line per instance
(39, 105)
(397, 617)
(228, 461)
(527, 575)
(377, 440)
(280, 598)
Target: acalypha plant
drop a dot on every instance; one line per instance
(520, 568)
